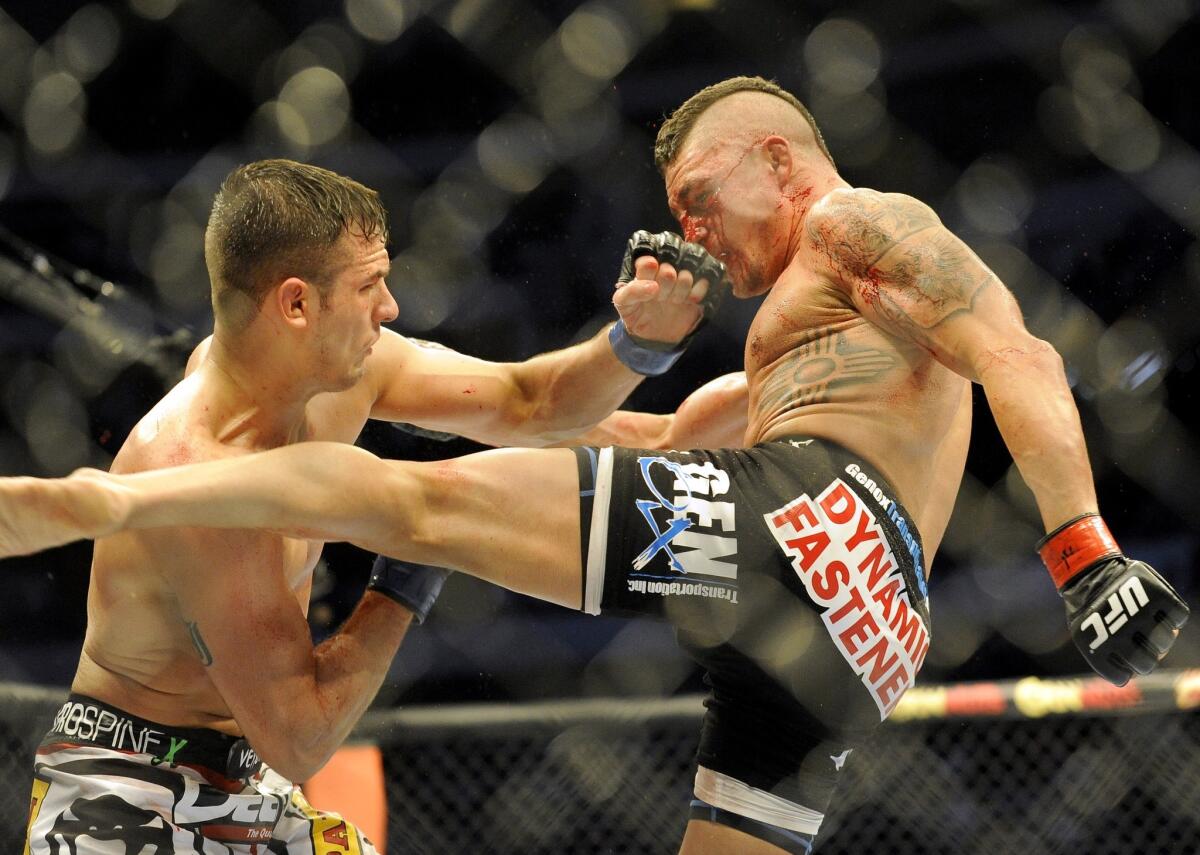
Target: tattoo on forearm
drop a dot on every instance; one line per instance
(826, 361)
(198, 640)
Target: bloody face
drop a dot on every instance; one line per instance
(728, 197)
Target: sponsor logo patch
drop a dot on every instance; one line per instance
(840, 552)
(692, 531)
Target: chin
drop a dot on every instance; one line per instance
(347, 380)
(750, 286)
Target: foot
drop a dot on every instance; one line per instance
(40, 513)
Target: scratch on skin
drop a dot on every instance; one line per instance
(801, 201)
(1004, 356)
(868, 289)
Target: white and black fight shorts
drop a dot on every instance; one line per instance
(794, 577)
(107, 781)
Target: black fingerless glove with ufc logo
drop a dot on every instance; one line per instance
(1123, 615)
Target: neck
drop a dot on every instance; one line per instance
(258, 392)
(810, 184)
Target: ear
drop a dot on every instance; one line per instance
(779, 157)
(294, 300)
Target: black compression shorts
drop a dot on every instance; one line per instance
(790, 573)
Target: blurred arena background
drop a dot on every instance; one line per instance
(511, 142)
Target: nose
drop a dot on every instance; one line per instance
(387, 310)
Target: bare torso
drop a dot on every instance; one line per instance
(138, 653)
(815, 367)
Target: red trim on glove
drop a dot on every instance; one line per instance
(1076, 546)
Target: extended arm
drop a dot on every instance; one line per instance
(536, 402)
(562, 394)
(907, 274)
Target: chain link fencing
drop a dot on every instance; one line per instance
(1031, 767)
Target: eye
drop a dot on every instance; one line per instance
(700, 205)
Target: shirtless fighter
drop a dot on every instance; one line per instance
(198, 660)
(796, 569)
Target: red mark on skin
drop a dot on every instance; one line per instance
(690, 227)
(869, 288)
(1006, 357)
(470, 390)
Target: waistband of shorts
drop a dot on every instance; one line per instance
(865, 480)
(85, 721)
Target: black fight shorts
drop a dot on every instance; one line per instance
(790, 573)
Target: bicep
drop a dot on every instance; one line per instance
(714, 416)
(440, 389)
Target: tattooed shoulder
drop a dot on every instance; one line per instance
(853, 229)
(909, 271)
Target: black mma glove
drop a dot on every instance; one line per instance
(1122, 614)
(414, 586)
(655, 357)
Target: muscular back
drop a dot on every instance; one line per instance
(823, 360)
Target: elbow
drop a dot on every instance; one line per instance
(294, 747)
(540, 422)
(1028, 355)
(296, 759)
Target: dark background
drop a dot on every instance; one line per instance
(511, 142)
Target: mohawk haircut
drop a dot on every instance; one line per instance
(675, 129)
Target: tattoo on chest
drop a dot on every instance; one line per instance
(198, 640)
(825, 362)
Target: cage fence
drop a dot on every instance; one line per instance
(1028, 767)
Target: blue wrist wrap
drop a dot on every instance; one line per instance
(640, 356)
(414, 586)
